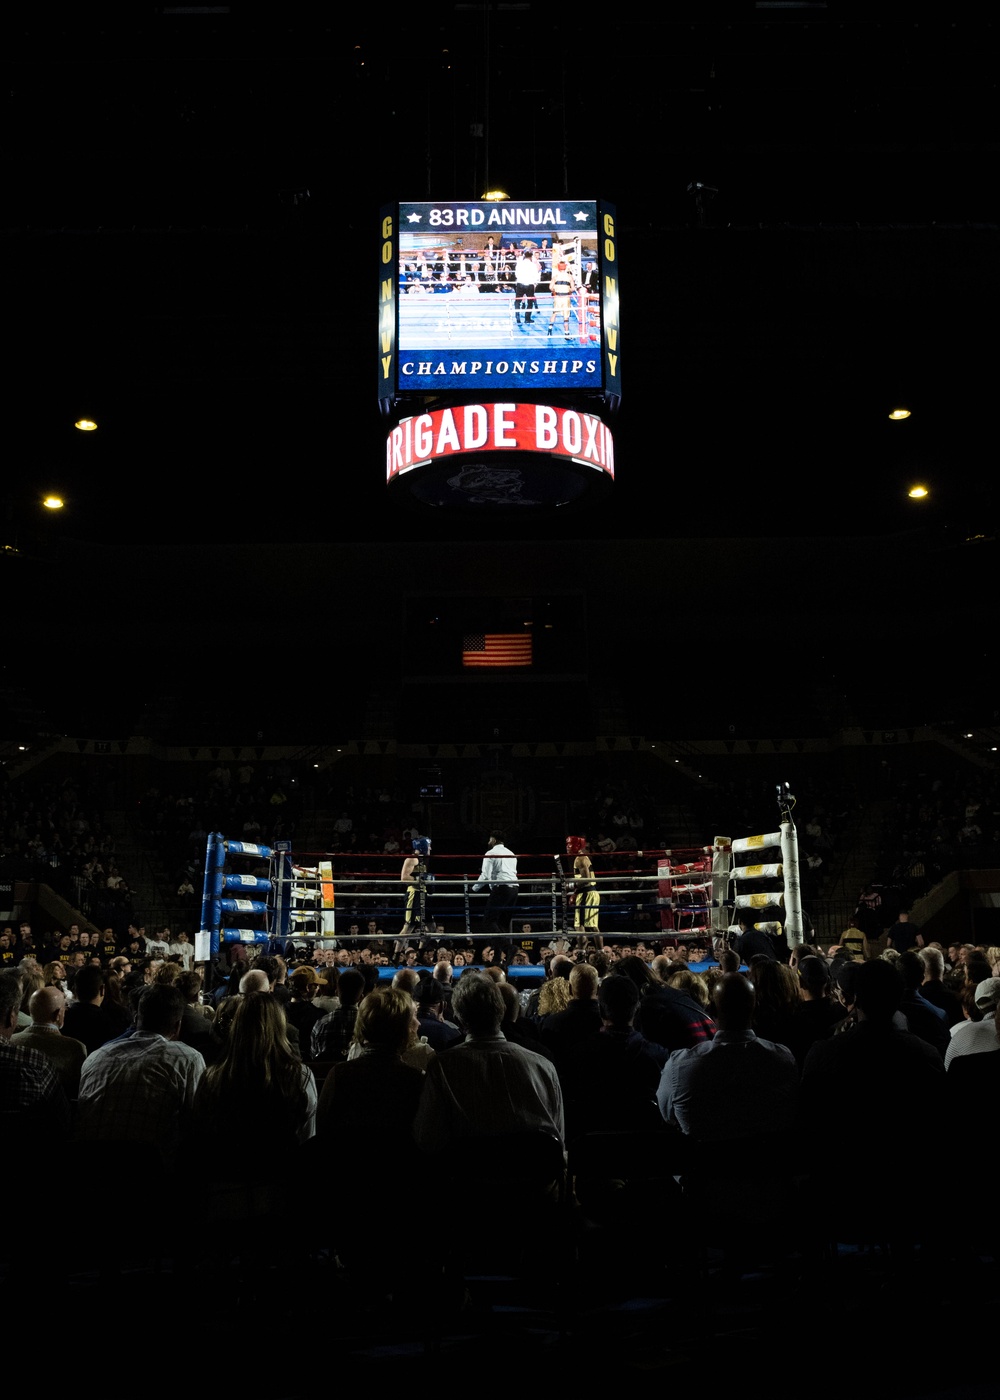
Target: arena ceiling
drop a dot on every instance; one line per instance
(808, 217)
(190, 226)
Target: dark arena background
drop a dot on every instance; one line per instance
(743, 550)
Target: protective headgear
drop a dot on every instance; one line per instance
(421, 845)
(576, 845)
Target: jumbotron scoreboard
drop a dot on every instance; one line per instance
(499, 369)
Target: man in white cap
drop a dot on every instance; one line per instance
(977, 1037)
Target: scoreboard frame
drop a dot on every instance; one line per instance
(454, 319)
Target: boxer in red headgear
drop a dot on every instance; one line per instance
(588, 896)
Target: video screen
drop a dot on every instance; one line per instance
(502, 296)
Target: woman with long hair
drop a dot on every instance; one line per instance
(258, 1097)
(554, 996)
(364, 1131)
(113, 1007)
(374, 1092)
(639, 972)
(777, 1001)
(691, 983)
(32, 981)
(365, 1118)
(54, 974)
(666, 1015)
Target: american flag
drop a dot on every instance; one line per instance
(496, 649)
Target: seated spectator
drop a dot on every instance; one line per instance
(875, 1094)
(691, 984)
(159, 945)
(666, 1016)
(84, 1020)
(610, 1080)
(486, 1085)
(31, 982)
(817, 1014)
(66, 1056)
(922, 1017)
(776, 1001)
(433, 1025)
(183, 948)
(375, 1094)
(932, 987)
(327, 998)
(141, 1090)
(332, 1034)
(554, 996)
(368, 1106)
(976, 1037)
(736, 1085)
(33, 1103)
(196, 1020)
(8, 949)
(302, 1011)
(518, 1029)
(259, 1100)
(581, 1018)
(114, 1009)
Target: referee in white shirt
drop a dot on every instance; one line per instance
(499, 872)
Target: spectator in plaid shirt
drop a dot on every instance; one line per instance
(141, 1090)
(332, 1034)
(31, 1099)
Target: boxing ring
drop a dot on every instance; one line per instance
(260, 894)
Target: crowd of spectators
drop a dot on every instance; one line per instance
(54, 832)
(239, 799)
(938, 821)
(842, 1053)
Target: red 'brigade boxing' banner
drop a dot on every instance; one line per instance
(499, 427)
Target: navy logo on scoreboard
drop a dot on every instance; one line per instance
(388, 255)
